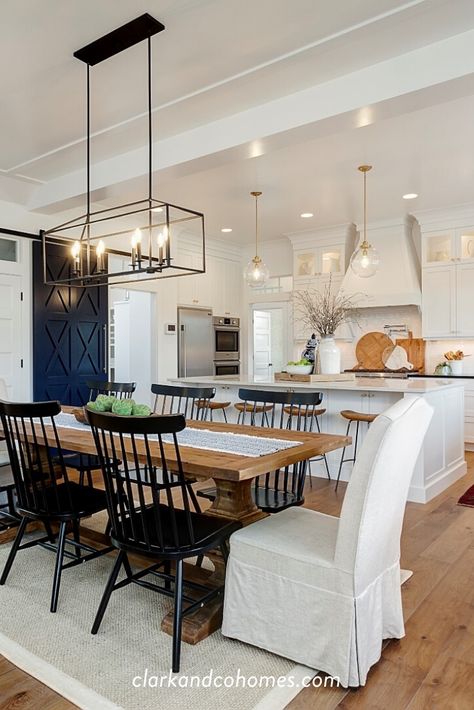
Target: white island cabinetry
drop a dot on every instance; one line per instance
(440, 463)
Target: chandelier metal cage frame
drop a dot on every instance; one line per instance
(151, 226)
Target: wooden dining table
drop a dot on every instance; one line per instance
(233, 475)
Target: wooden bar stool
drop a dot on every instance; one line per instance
(352, 417)
(212, 406)
(312, 415)
(252, 409)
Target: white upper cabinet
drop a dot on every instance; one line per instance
(448, 246)
(321, 263)
(439, 301)
(219, 288)
(320, 256)
(465, 299)
(448, 272)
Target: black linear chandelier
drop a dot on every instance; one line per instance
(137, 241)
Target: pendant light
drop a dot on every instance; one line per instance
(135, 241)
(256, 272)
(365, 260)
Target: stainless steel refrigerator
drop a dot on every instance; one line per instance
(195, 343)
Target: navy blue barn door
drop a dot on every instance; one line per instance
(69, 332)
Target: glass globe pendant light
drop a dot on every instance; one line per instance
(365, 260)
(256, 272)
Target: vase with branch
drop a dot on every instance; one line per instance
(324, 311)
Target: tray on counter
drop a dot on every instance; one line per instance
(341, 377)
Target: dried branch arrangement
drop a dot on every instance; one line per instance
(324, 311)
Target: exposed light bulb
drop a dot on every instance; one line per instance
(100, 248)
(136, 238)
(163, 237)
(76, 250)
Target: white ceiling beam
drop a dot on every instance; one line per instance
(351, 98)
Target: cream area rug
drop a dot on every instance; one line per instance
(127, 665)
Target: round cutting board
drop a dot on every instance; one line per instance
(395, 358)
(369, 350)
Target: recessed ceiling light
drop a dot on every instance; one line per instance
(157, 209)
(410, 196)
(306, 215)
(226, 229)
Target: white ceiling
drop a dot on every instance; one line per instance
(219, 57)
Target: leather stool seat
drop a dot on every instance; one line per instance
(250, 409)
(212, 405)
(305, 412)
(358, 416)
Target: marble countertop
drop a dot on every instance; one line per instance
(417, 385)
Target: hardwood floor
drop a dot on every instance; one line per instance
(431, 668)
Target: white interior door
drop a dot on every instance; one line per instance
(11, 362)
(262, 344)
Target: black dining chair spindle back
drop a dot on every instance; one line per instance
(142, 497)
(44, 491)
(191, 402)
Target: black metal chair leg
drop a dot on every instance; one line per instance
(49, 531)
(167, 570)
(81, 476)
(59, 566)
(89, 479)
(14, 550)
(310, 476)
(177, 615)
(107, 592)
(342, 456)
(77, 537)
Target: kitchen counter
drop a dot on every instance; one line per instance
(444, 377)
(359, 384)
(441, 461)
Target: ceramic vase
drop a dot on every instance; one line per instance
(456, 366)
(329, 356)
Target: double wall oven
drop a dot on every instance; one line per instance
(226, 345)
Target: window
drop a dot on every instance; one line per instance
(8, 250)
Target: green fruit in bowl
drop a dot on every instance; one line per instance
(123, 407)
(107, 401)
(141, 410)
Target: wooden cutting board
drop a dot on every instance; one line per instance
(415, 349)
(369, 350)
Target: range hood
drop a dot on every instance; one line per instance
(398, 280)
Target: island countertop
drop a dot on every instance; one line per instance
(359, 384)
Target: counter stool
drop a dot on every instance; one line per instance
(212, 407)
(356, 417)
(292, 411)
(245, 408)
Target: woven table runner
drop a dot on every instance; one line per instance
(222, 441)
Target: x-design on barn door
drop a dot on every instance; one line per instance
(69, 332)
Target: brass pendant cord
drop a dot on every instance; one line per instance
(256, 195)
(364, 169)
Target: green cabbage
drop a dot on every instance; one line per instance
(141, 410)
(107, 401)
(123, 407)
(97, 406)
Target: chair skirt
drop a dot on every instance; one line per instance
(327, 629)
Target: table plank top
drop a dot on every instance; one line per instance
(205, 463)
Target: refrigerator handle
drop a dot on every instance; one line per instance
(182, 352)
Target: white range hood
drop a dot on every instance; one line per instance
(398, 280)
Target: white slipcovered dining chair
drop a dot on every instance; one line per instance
(325, 591)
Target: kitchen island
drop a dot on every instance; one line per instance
(441, 461)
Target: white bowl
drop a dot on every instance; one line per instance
(299, 369)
